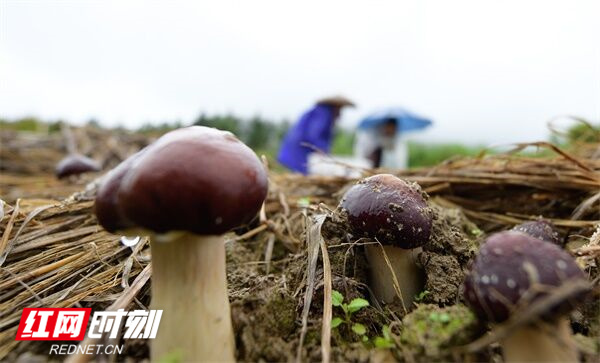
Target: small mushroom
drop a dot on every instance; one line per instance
(75, 164)
(395, 213)
(541, 229)
(186, 190)
(511, 271)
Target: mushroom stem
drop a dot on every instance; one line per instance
(190, 286)
(408, 274)
(530, 343)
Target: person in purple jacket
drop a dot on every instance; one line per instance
(314, 130)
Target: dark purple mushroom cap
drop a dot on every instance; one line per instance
(541, 229)
(75, 164)
(106, 207)
(196, 179)
(389, 209)
(502, 274)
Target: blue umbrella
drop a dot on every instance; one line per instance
(407, 121)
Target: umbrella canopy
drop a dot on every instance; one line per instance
(407, 121)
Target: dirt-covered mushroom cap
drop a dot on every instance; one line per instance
(196, 179)
(389, 209)
(508, 265)
(541, 229)
(75, 164)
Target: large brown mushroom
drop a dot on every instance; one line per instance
(514, 270)
(394, 213)
(187, 189)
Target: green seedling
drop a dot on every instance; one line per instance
(476, 232)
(385, 340)
(337, 299)
(421, 295)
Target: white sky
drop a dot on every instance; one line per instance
(484, 71)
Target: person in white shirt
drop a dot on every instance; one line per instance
(382, 146)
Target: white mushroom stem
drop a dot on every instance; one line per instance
(531, 343)
(381, 277)
(190, 286)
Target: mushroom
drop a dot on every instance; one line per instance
(75, 164)
(541, 229)
(511, 271)
(186, 190)
(395, 213)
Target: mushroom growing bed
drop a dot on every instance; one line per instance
(287, 271)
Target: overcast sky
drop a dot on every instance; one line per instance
(484, 71)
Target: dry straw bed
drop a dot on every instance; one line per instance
(54, 254)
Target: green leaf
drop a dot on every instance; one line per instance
(476, 232)
(383, 343)
(357, 304)
(359, 329)
(336, 298)
(365, 338)
(337, 321)
(421, 295)
(386, 332)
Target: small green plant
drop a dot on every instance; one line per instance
(385, 340)
(337, 299)
(476, 232)
(421, 295)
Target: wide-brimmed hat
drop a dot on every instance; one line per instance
(339, 101)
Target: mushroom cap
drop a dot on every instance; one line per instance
(507, 266)
(196, 179)
(389, 209)
(106, 207)
(541, 229)
(75, 164)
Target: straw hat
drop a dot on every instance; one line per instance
(339, 101)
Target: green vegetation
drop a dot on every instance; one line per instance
(265, 136)
(438, 327)
(29, 124)
(343, 142)
(421, 295)
(337, 299)
(256, 132)
(420, 154)
(584, 132)
(385, 340)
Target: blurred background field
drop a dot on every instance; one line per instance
(264, 136)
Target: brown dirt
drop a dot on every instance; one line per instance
(266, 306)
(453, 243)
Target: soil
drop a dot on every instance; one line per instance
(267, 300)
(266, 308)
